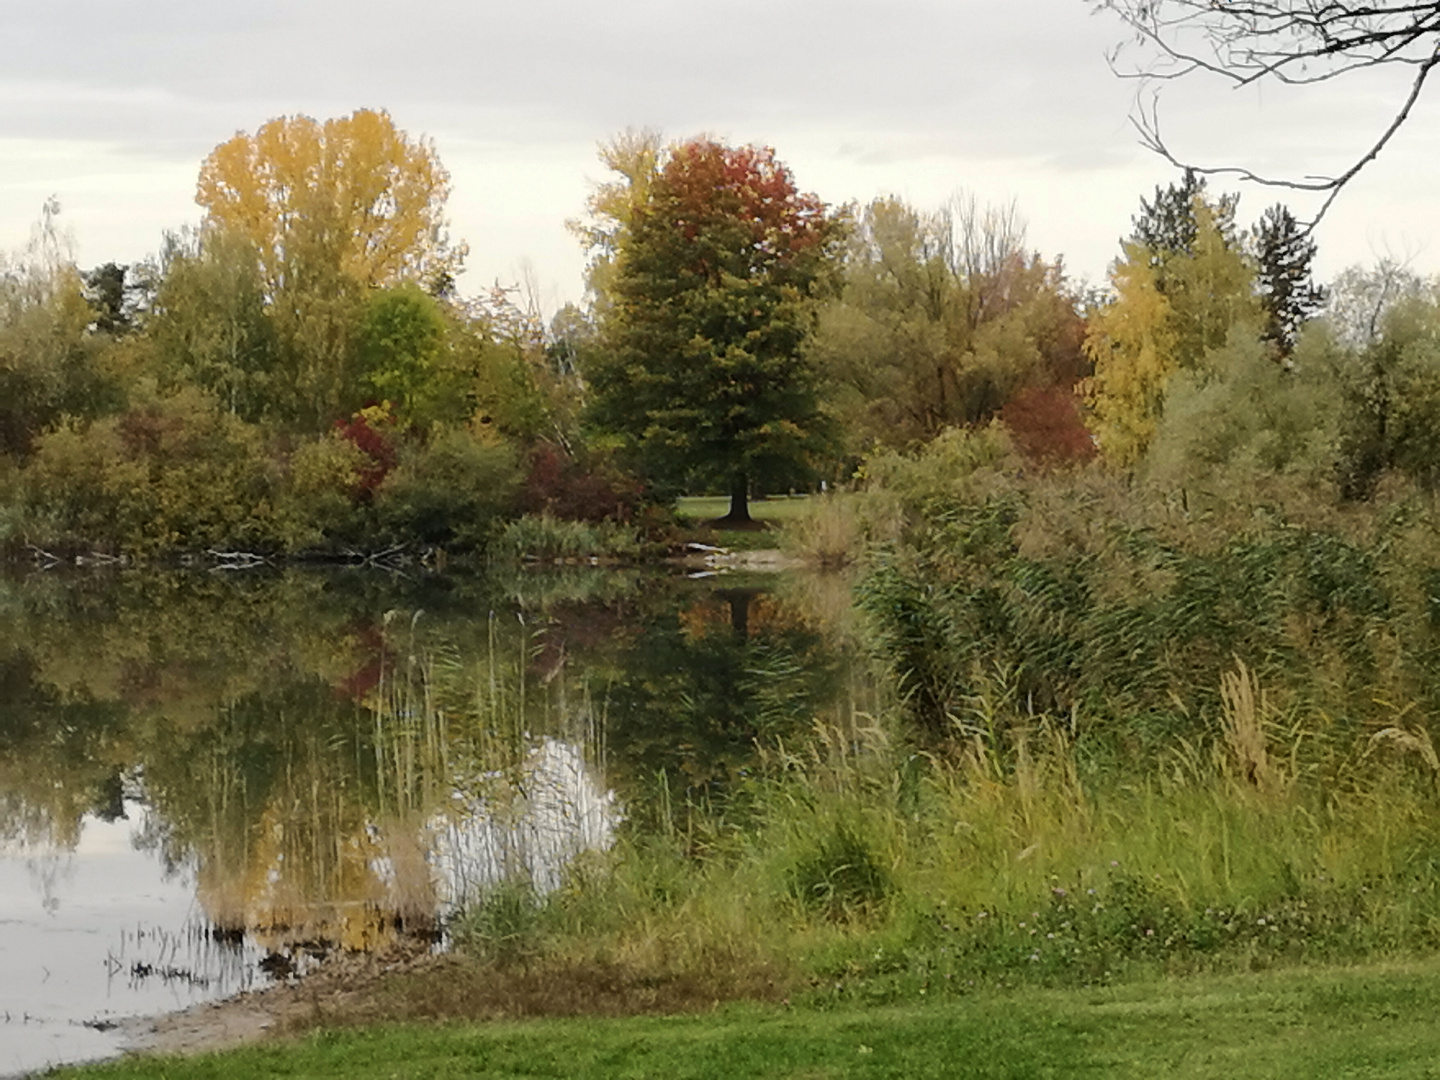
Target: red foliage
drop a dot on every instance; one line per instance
(558, 485)
(743, 186)
(373, 655)
(1047, 427)
(372, 432)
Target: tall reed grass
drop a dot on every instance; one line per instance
(875, 871)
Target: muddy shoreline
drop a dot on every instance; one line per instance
(323, 995)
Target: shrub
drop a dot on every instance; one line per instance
(319, 503)
(171, 472)
(558, 485)
(453, 488)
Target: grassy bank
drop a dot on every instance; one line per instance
(1332, 1022)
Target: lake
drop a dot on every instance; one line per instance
(210, 780)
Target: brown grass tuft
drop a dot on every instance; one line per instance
(1243, 716)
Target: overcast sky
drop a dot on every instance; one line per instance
(113, 107)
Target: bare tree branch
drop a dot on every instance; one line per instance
(1292, 42)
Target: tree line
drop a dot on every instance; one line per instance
(302, 374)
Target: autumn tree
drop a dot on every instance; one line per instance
(330, 210)
(355, 192)
(943, 317)
(1169, 312)
(713, 266)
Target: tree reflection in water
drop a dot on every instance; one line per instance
(342, 759)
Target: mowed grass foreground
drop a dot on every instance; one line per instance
(1372, 1021)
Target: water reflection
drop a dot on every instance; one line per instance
(302, 762)
(97, 931)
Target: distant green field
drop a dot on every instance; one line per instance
(1368, 1022)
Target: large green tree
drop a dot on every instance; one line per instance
(712, 266)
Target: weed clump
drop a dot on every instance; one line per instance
(840, 874)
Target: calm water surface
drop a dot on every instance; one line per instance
(208, 780)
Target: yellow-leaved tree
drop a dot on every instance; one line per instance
(1171, 310)
(1132, 345)
(355, 192)
(332, 211)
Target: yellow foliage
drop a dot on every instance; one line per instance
(1167, 315)
(1132, 345)
(355, 193)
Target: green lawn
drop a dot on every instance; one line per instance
(777, 512)
(779, 509)
(1331, 1023)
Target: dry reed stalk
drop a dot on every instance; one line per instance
(1415, 742)
(1243, 722)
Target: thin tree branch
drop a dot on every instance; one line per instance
(1292, 42)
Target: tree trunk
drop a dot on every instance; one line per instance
(739, 498)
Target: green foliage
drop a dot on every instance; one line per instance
(453, 488)
(1392, 398)
(401, 340)
(717, 263)
(316, 317)
(1360, 297)
(1129, 603)
(49, 365)
(171, 472)
(503, 926)
(942, 318)
(209, 328)
(318, 505)
(507, 393)
(838, 872)
(1288, 295)
(110, 298)
(1248, 416)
